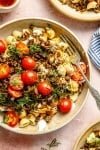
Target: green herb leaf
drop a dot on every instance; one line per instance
(13, 52)
(42, 148)
(35, 48)
(23, 101)
(54, 143)
(2, 98)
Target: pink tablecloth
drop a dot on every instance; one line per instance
(67, 135)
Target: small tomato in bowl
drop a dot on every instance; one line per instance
(65, 105)
(29, 77)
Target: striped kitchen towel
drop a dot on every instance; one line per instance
(94, 49)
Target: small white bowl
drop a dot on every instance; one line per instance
(6, 9)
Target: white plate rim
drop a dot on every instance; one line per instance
(91, 125)
(72, 13)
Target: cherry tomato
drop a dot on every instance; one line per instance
(64, 105)
(3, 46)
(29, 77)
(22, 48)
(14, 93)
(4, 71)
(44, 88)
(16, 83)
(11, 118)
(28, 63)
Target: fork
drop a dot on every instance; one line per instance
(73, 53)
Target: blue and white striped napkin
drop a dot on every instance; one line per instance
(94, 49)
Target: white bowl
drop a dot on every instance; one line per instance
(82, 138)
(9, 8)
(58, 120)
(72, 13)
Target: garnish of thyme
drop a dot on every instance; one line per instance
(52, 144)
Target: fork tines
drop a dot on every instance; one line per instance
(71, 49)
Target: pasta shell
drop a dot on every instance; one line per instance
(23, 114)
(75, 1)
(32, 119)
(24, 122)
(17, 34)
(44, 37)
(55, 41)
(11, 40)
(50, 33)
(91, 5)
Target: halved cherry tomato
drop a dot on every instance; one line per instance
(16, 83)
(11, 118)
(29, 77)
(3, 46)
(65, 105)
(14, 93)
(28, 63)
(4, 71)
(22, 48)
(44, 88)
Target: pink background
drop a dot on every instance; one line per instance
(67, 135)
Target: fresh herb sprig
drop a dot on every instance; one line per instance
(13, 52)
(52, 144)
(35, 48)
(38, 49)
(2, 98)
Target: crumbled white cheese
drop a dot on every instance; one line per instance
(42, 125)
(73, 106)
(65, 68)
(17, 34)
(26, 31)
(43, 69)
(61, 70)
(38, 31)
(74, 97)
(30, 38)
(69, 68)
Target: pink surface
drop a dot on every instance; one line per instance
(67, 135)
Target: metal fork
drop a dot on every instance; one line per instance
(73, 53)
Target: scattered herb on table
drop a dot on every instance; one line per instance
(54, 143)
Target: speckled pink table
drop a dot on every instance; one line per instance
(67, 135)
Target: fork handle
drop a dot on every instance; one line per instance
(93, 91)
